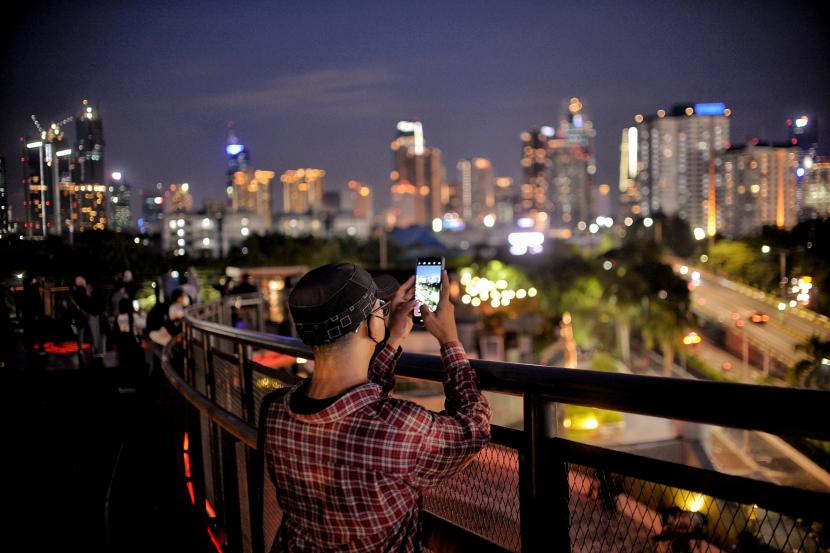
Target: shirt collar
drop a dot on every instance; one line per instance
(348, 403)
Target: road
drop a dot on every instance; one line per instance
(716, 298)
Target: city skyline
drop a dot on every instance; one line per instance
(171, 125)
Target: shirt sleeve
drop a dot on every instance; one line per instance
(382, 369)
(458, 432)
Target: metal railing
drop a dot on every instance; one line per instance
(531, 489)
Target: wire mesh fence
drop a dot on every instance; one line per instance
(612, 512)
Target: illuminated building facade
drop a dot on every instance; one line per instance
(533, 199)
(476, 194)
(4, 199)
(47, 166)
(88, 175)
(758, 188)
(152, 211)
(816, 188)
(419, 193)
(303, 190)
(677, 157)
(252, 193)
(238, 162)
(120, 198)
(631, 201)
(358, 200)
(505, 198)
(177, 199)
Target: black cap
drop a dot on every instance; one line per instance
(330, 301)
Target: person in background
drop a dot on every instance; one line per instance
(188, 288)
(193, 279)
(169, 282)
(246, 286)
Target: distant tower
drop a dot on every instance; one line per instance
(238, 160)
(676, 154)
(418, 190)
(89, 176)
(120, 196)
(4, 202)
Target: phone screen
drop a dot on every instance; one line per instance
(428, 283)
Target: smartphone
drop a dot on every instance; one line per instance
(427, 284)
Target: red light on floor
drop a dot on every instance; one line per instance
(186, 442)
(727, 365)
(61, 348)
(211, 512)
(735, 316)
(187, 465)
(192, 492)
(739, 323)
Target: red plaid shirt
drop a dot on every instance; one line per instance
(349, 478)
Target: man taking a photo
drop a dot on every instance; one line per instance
(349, 462)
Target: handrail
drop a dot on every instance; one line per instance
(789, 411)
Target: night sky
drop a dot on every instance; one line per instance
(322, 84)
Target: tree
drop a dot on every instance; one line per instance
(813, 371)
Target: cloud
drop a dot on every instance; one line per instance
(350, 92)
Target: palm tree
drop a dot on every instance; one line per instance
(814, 370)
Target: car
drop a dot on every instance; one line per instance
(758, 317)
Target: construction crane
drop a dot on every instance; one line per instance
(55, 131)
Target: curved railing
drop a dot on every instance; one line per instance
(531, 489)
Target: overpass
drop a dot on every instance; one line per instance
(531, 489)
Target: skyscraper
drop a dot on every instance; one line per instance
(303, 190)
(631, 200)
(152, 211)
(358, 200)
(558, 170)
(177, 199)
(505, 198)
(252, 193)
(816, 188)
(88, 173)
(676, 159)
(120, 202)
(418, 177)
(238, 161)
(476, 193)
(533, 202)
(4, 201)
(758, 187)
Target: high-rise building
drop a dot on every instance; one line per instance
(88, 175)
(476, 194)
(120, 197)
(152, 211)
(177, 199)
(419, 193)
(631, 201)
(816, 188)
(238, 162)
(533, 200)
(676, 160)
(558, 168)
(4, 200)
(303, 190)
(358, 200)
(251, 193)
(505, 199)
(758, 187)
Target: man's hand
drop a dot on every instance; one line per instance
(400, 314)
(441, 323)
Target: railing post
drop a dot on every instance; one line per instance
(230, 492)
(543, 484)
(246, 386)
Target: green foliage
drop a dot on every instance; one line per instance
(745, 262)
(605, 362)
(701, 369)
(814, 371)
(278, 249)
(98, 255)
